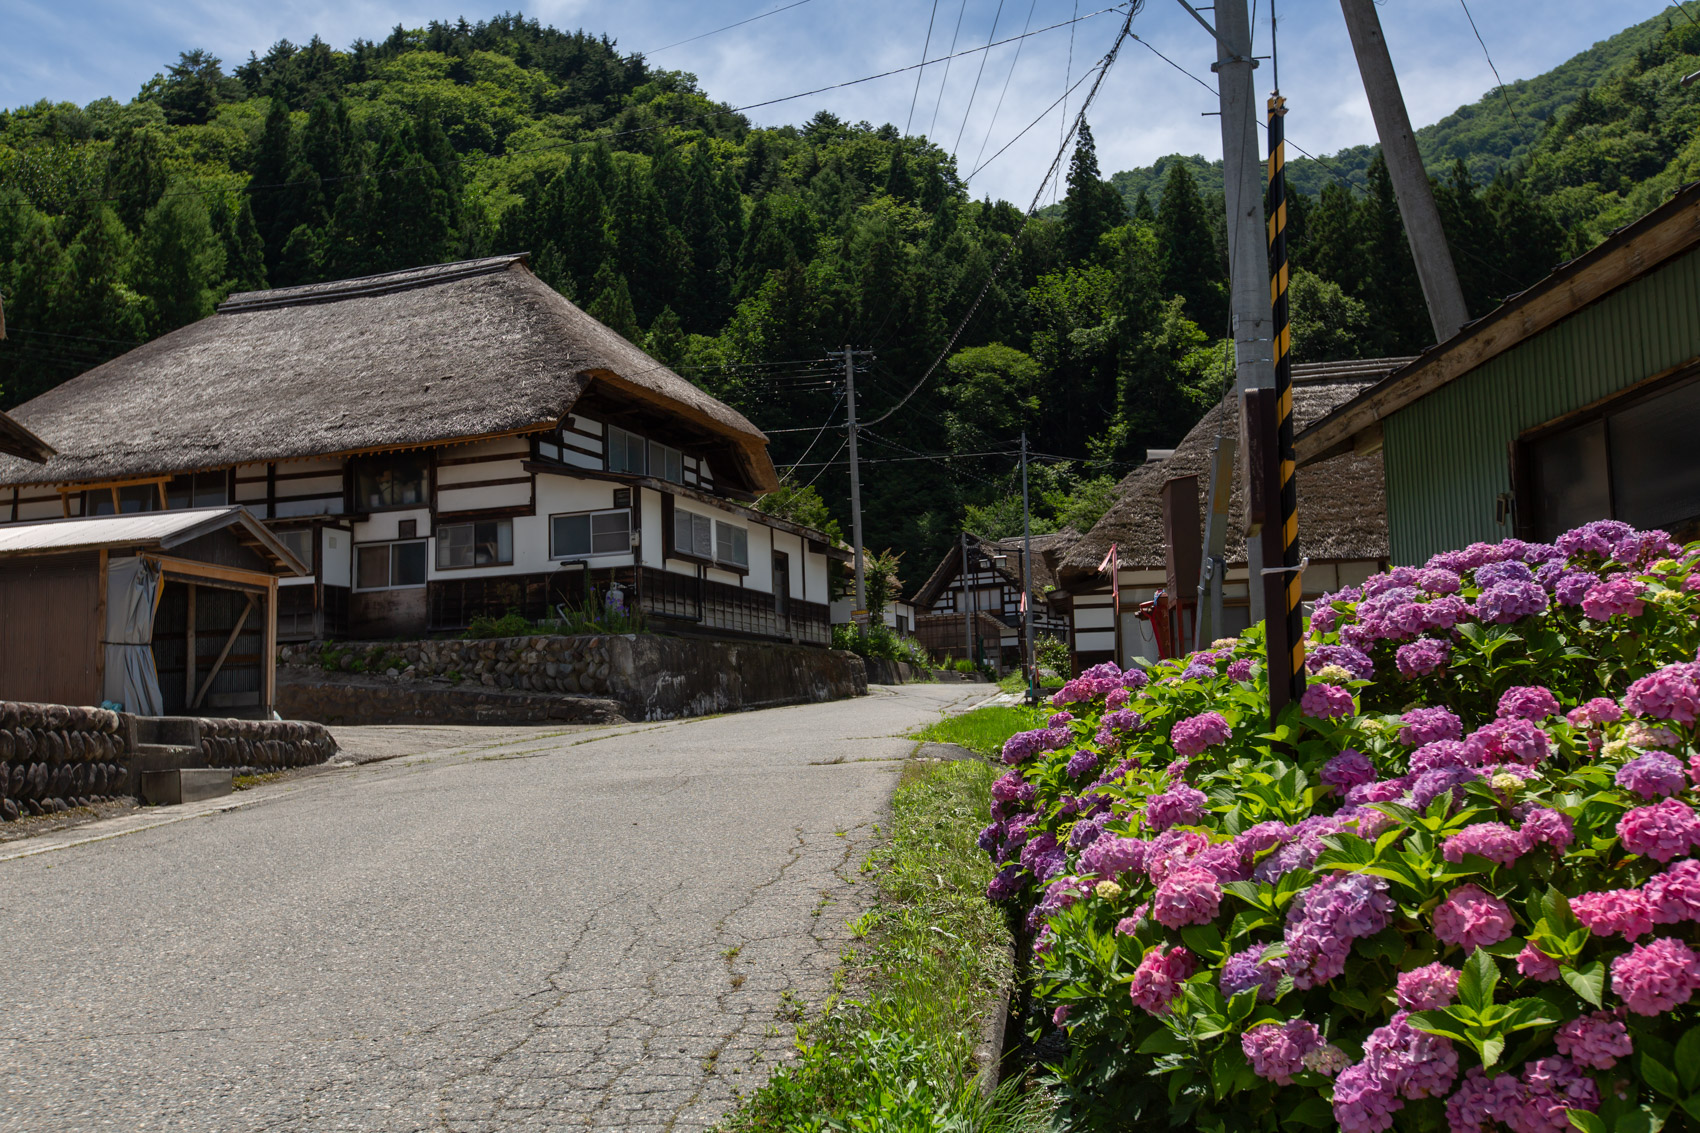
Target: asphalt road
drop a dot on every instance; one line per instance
(588, 928)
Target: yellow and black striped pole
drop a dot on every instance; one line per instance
(1288, 512)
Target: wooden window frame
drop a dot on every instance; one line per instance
(354, 558)
(436, 559)
(631, 527)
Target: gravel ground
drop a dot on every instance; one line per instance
(504, 929)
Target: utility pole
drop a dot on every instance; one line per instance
(1248, 250)
(855, 486)
(1445, 298)
(1027, 579)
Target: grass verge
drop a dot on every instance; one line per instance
(898, 1057)
(983, 730)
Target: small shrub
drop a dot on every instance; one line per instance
(880, 642)
(1053, 655)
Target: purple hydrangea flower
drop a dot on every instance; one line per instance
(1494, 841)
(1421, 657)
(1472, 918)
(1670, 693)
(1437, 580)
(1528, 702)
(1662, 831)
(1654, 775)
(1081, 764)
(1277, 1051)
(1596, 1041)
(1491, 574)
(1354, 661)
(1507, 741)
(1437, 755)
(1327, 702)
(1595, 712)
(1246, 969)
(1506, 602)
(1325, 919)
(1428, 987)
(1180, 805)
(1195, 733)
(1430, 785)
(1187, 896)
(1111, 856)
(1542, 826)
(1596, 538)
(1619, 595)
(1348, 769)
(1426, 725)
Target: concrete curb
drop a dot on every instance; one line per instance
(989, 1053)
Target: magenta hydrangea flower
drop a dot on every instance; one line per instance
(1325, 919)
(1653, 978)
(1550, 1088)
(1614, 912)
(1436, 755)
(1600, 710)
(1187, 896)
(1534, 964)
(1596, 1041)
(1111, 856)
(1400, 1062)
(1507, 741)
(1058, 719)
(1529, 702)
(1671, 693)
(1348, 769)
(1157, 981)
(1421, 657)
(1494, 841)
(1436, 580)
(1195, 733)
(1661, 831)
(1426, 725)
(1277, 1051)
(1240, 670)
(1428, 987)
(1180, 805)
(1327, 702)
(1481, 1102)
(1544, 826)
(1354, 661)
(1596, 538)
(1654, 775)
(1619, 595)
(1117, 698)
(1674, 895)
(1472, 918)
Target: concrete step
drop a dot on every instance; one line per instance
(185, 785)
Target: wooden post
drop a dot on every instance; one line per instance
(1182, 552)
(1263, 526)
(189, 645)
(229, 643)
(268, 667)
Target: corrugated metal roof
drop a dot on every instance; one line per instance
(161, 529)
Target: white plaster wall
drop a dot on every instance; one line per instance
(336, 553)
(653, 545)
(382, 526)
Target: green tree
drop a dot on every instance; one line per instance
(177, 264)
(193, 87)
(1187, 247)
(1092, 206)
(992, 392)
(612, 306)
(1327, 324)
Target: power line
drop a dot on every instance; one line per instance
(1043, 114)
(944, 82)
(996, 16)
(1103, 69)
(998, 109)
(1068, 73)
(729, 27)
(926, 46)
(1503, 93)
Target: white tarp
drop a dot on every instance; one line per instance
(132, 595)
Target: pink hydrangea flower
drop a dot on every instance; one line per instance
(1596, 1041)
(1529, 702)
(1240, 670)
(1534, 964)
(1117, 699)
(1277, 1051)
(1654, 775)
(1544, 826)
(1653, 978)
(1674, 895)
(1157, 981)
(1618, 595)
(1614, 912)
(1507, 741)
(1426, 725)
(1662, 831)
(1428, 987)
(1421, 657)
(1195, 733)
(1187, 896)
(1348, 769)
(1595, 712)
(1180, 805)
(1472, 918)
(1671, 693)
(1327, 702)
(1494, 841)
(1400, 1062)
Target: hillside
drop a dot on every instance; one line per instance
(741, 255)
(1510, 131)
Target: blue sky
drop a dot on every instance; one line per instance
(79, 50)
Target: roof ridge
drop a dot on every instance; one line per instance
(383, 283)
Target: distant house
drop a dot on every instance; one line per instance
(437, 445)
(1577, 399)
(986, 595)
(1342, 524)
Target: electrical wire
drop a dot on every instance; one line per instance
(944, 82)
(729, 27)
(1103, 69)
(1068, 73)
(926, 46)
(1012, 63)
(841, 447)
(818, 434)
(1503, 93)
(991, 35)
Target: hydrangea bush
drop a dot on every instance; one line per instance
(1450, 888)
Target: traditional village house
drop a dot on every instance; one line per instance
(15, 440)
(983, 601)
(435, 445)
(1578, 399)
(1342, 526)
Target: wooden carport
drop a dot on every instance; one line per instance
(72, 632)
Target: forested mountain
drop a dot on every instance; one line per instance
(740, 255)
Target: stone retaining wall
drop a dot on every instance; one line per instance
(53, 757)
(650, 676)
(56, 756)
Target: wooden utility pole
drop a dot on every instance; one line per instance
(1445, 298)
(861, 610)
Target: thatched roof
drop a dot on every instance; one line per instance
(1045, 548)
(20, 442)
(1342, 502)
(400, 360)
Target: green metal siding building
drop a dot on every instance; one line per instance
(1536, 415)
